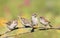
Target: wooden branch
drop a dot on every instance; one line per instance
(40, 28)
(56, 28)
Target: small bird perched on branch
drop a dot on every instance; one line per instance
(45, 22)
(11, 25)
(25, 22)
(34, 21)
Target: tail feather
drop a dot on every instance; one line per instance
(50, 25)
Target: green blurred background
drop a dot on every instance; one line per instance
(50, 9)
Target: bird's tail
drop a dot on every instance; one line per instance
(50, 25)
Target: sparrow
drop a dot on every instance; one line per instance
(11, 25)
(45, 22)
(25, 22)
(34, 21)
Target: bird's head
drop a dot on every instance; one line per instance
(8, 23)
(22, 19)
(35, 15)
(41, 17)
(15, 21)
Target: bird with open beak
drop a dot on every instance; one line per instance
(45, 22)
(34, 21)
(25, 22)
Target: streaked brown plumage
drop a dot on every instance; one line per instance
(25, 21)
(12, 24)
(44, 21)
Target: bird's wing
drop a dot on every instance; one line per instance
(26, 21)
(46, 20)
